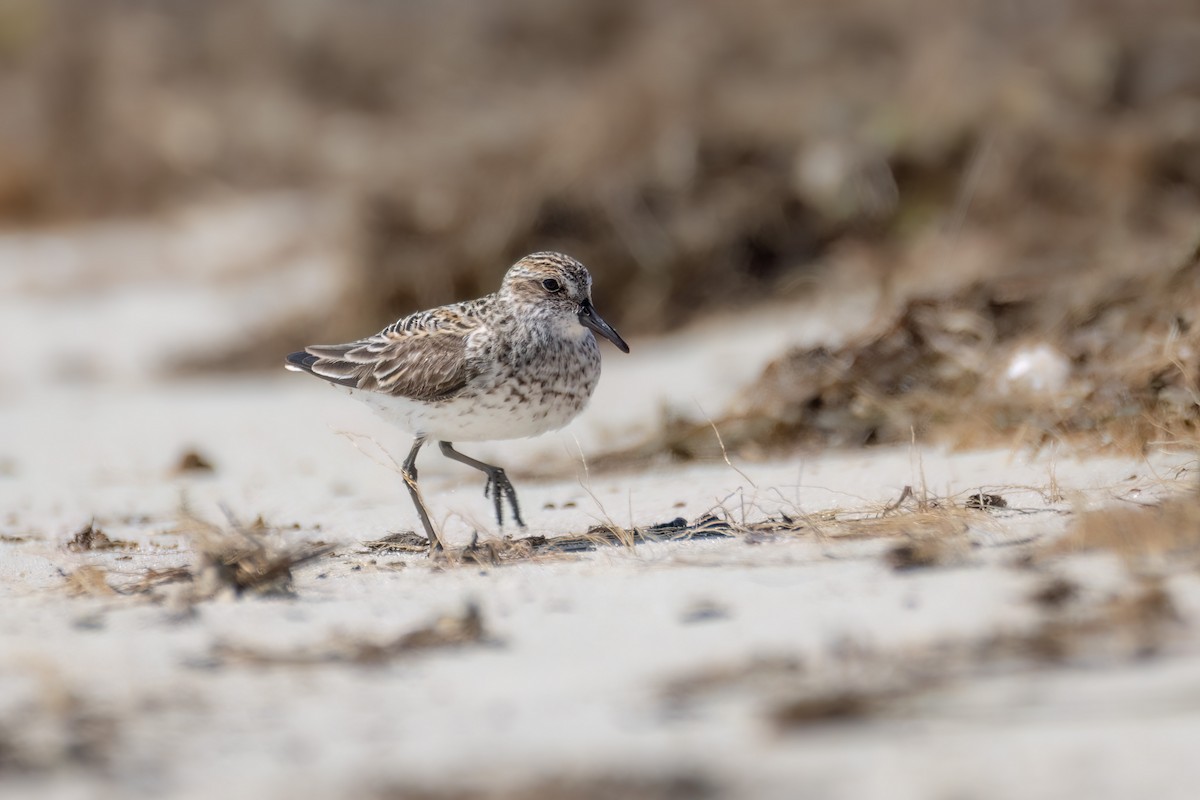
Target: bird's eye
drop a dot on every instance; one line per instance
(551, 285)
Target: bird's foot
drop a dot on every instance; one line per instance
(498, 487)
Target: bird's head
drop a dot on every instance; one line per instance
(559, 287)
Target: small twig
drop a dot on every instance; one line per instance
(721, 443)
(904, 495)
(354, 439)
(585, 483)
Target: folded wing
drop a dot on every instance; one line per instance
(420, 364)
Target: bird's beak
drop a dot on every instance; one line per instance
(588, 318)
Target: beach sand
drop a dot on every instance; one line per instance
(837, 636)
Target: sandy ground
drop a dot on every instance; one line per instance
(794, 662)
(667, 659)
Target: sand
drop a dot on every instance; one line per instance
(790, 659)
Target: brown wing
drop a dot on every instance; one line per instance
(421, 364)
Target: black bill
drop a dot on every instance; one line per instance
(588, 318)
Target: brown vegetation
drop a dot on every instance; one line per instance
(1110, 359)
(1147, 537)
(698, 155)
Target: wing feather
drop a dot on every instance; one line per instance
(421, 357)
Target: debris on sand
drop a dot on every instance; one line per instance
(985, 502)
(1166, 533)
(761, 671)
(919, 552)
(704, 611)
(151, 579)
(57, 730)
(683, 786)
(89, 581)
(1055, 593)
(449, 631)
(933, 532)
(89, 537)
(192, 461)
(858, 681)
(1133, 624)
(510, 549)
(676, 530)
(795, 696)
(239, 560)
(232, 560)
(827, 707)
(399, 542)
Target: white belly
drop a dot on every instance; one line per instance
(490, 416)
(542, 394)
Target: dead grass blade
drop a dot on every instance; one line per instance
(89, 581)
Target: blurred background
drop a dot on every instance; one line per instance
(193, 187)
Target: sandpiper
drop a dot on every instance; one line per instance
(517, 363)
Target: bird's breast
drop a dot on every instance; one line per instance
(550, 379)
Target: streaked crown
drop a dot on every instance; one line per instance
(548, 278)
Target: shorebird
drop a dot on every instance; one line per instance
(520, 362)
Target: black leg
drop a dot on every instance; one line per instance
(410, 481)
(498, 483)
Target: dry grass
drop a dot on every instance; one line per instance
(240, 560)
(1144, 536)
(837, 525)
(928, 531)
(1113, 357)
(231, 559)
(89, 581)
